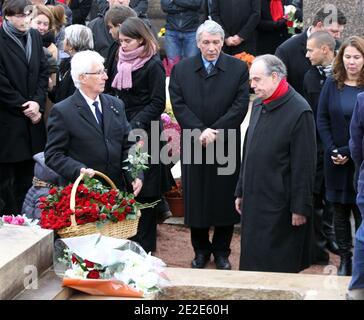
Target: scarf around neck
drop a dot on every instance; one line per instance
(281, 90)
(127, 63)
(276, 9)
(14, 34)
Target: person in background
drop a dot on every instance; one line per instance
(239, 20)
(139, 82)
(202, 101)
(58, 27)
(77, 38)
(335, 109)
(275, 188)
(64, 4)
(321, 53)
(293, 51)
(356, 142)
(80, 10)
(23, 89)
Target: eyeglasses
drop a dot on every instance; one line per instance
(100, 72)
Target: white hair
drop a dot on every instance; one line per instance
(272, 64)
(82, 62)
(79, 37)
(210, 27)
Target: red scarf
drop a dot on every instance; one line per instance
(276, 9)
(281, 90)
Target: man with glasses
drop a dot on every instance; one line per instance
(23, 88)
(89, 131)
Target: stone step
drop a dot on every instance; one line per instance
(25, 253)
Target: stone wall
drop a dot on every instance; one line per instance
(353, 10)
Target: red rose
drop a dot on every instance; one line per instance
(289, 24)
(53, 191)
(124, 203)
(89, 264)
(128, 209)
(42, 199)
(103, 216)
(131, 201)
(74, 259)
(93, 274)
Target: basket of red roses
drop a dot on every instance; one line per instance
(90, 207)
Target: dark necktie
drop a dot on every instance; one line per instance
(98, 113)
(209, 68)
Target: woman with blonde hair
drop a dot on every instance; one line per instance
(335, 109)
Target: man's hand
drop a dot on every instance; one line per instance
(36, 118)
(88, 172)
(32, 109)
(236, 40)
(208, 136)
(137, 186)
(238, 205)
(229, 41)
(339, 160)
(298, 219)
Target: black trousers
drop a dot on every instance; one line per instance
(15, 181)
(147, 227)
(220, 244)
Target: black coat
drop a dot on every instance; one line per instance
(144, 103)
(238, 17)
(64, 86)
(270, 33)
(80, 10)
(75, 140)
(293, 53)
(219, 101)
(101, 35)
(21, 82)
(276, 180)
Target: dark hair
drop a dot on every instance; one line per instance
(13, 7)
(322, 38)
(135, 28)
(324, 13)
(118, 14)
(339, 71)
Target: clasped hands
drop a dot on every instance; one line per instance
(233, 41)
(208, 136)
(32, 111)
(137, 183)
(339, 160)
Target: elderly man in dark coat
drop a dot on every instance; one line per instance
(210, 94)
(23, 88)
(89, 131)
(239, 20)
(275, 188)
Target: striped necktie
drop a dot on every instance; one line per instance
(100, 118)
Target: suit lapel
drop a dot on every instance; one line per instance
(85, 111)
(107, 112)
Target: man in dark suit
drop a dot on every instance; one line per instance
(209, 94)
(89, 130)
(23, 87)
(321, 53)
(239, 20)
(293, 51)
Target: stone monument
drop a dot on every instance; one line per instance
(353, 10)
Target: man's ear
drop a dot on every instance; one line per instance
(319, 26)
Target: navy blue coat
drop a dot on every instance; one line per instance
(334, 133)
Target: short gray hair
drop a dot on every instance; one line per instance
(210, 27)
(82, 62)
(79, 37)
(272, 64)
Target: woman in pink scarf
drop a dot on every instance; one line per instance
(138, 79)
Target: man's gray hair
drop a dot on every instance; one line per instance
(82, 62)
(272, 64)
(210, 27)
(79, 37)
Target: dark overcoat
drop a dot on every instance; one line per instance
(276, 180)
(75, 139)
(238, 17)
(20, 82)
(218, 100)
(144, 103)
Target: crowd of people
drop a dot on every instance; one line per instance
(79, 78)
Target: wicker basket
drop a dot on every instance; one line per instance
(122, 229)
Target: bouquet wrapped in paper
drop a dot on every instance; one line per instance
(100, 265)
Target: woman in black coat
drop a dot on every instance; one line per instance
(77, 38)
(336, 105)
(139, 81)
(272, 28)
(80, 10)
(239, 20)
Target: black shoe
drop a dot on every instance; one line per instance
(322, 258)
(345, 267)
(332, 246)
(222, 263)
(200, 261)
(163, 216)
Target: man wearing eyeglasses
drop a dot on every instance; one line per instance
(89, 131)
(23, 87)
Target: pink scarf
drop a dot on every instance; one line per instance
(127, 63)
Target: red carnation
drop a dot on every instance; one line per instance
(42, 199)
(128, 209)
(103, 216)
(89, 264)
(289, 24)
(93, 274)
(53, 191)
(131, 201)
